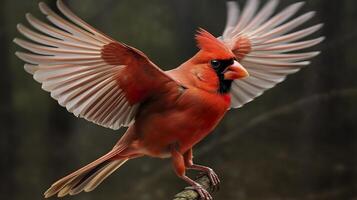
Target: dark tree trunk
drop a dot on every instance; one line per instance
(7, 119)
(59, 134)
(185, 15)
(323, 121)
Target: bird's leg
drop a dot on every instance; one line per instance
(180, 169)
(188, 157)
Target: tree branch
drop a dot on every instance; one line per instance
(189, 194)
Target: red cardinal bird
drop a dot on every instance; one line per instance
(167, 113)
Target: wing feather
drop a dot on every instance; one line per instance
(92, 75)
(262, 16)
(266, 45)
(248, 13)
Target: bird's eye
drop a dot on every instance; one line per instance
(215, 64)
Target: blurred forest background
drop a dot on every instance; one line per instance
(298, 141)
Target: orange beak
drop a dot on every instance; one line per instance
(235, 71)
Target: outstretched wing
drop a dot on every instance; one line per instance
(266, 46)
(92, 75)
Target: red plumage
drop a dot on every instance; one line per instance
(114, 85)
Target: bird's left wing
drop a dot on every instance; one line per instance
(92, 75)
(266, 46)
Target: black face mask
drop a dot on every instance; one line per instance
(220, 66)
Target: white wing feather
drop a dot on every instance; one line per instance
(66, 60)
(271, 39)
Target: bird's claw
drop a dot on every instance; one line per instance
(203, 193)
(214, 180)
(213, 177)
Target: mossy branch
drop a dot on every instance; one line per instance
(189, 194)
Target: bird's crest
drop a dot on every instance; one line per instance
(210, 44)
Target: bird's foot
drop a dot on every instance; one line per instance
(213, 177)
(203, 193)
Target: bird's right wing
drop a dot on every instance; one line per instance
(92, 75)
(266, 45)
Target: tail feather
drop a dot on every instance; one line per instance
(78, 185)
(89, 183)
(103, 174)
(88, 177)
